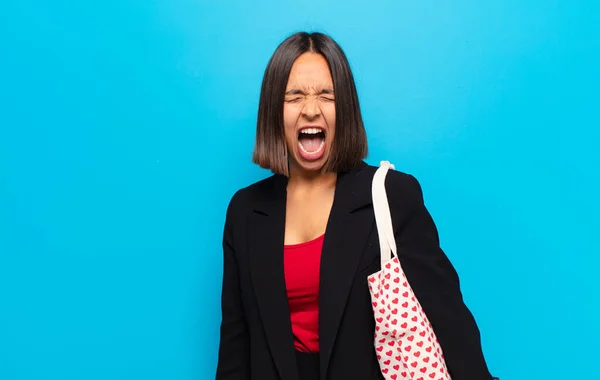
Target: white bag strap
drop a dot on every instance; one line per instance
(383, 218)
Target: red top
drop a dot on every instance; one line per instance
(302, 265)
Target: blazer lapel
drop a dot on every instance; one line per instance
(348, 229)
(267, 230)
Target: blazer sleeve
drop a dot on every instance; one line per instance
(233, 362)
(435, 282)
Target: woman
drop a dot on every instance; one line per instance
(299, 245)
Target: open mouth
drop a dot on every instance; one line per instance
(311, 142)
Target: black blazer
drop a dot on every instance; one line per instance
(256, 334)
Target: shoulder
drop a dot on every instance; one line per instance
(403, 190)
(245, 198)
(397, 183)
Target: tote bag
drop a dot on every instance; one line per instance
(406, 345)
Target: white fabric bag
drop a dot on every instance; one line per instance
(407, 348)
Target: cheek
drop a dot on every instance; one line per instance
(329, 115)
(289, 121)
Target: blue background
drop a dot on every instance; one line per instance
(126, 126)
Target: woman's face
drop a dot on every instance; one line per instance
(309, 113)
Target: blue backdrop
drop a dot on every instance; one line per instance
(126, 126)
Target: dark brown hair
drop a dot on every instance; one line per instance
(350, 142)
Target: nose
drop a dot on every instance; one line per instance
(311, 107)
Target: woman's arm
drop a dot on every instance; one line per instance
(234, 350)
(435, 281)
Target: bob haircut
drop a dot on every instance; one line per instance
(349, 147)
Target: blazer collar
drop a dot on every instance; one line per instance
(350, 190)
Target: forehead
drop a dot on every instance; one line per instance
(310, 70)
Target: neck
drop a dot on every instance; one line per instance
(312, 179)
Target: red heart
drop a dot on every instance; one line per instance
(404, 315)
(434, 365)
(371, 279)
(428, 349)
(405, 284)
(404, 325)
(414, 309)
(414, 364)
(395, 311)
(422, 333)
(382, 311)
(394, 377)
(408, 348)
(420, 344)
(387, 276)
(380, 348)
(396, 367)
(411, 338)
(379, 320)
(403, 374)
(387, 286)
(405, 304)
(417, 354)
(394, 321)
(426, 360)
(397, 280)
(414, 319)
(374, 304)
(382, 340)
(395, 301)
(396, 290)
(384, 371)
(405, 294)
(377, 328)
(431, 375)
(389, 353)
(423, 370)
(391, 343)
(414, 329)
(387, 362)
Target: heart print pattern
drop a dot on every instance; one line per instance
(406, 345)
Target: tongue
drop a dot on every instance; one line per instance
(311, 143)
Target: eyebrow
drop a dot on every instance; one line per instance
(327, 91)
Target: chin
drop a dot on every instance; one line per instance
(311, 166)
